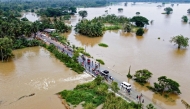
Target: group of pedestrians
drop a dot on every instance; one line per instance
(140, 99)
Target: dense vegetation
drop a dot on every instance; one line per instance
(96, 93)
(89, 28)
(18, 6)
(111, 19)
(51, 12)
(17, 31)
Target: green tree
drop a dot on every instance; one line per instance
(140, 21)
(83, 13)
(140, 32)
(166, 85)
(114, 86)
(127, 27)
(150, 106)
(185, 19)
(168, 10)
(142, 76)
(180, 40)
(5, 48)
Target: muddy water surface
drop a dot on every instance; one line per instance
(148, 52)
(35, 70)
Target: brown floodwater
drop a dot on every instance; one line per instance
(159, 56)
(32, 68)
(35, 70)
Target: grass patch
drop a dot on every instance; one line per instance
(100, 61)
(103, 45)
(94, 94)
(112, 27)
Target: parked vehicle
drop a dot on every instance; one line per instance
(126, 85)
(104, 72)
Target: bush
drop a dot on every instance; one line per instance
(140, 32)
(103, 45)
(100, 61)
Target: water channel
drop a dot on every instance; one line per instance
(147, 52)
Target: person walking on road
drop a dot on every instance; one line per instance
(143, 101)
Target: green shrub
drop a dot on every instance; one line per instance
(103, 45)
(140, 32)
(100, 61)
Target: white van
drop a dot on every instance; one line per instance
(126, 85)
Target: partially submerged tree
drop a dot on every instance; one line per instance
(168, 10)
(142, 76)
(184, 18)
(140, 21)
(83, 13)
(166, 85)
(180, 40)
(140, 32)
(127, 27)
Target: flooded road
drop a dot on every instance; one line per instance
(35, 70)
(159, 56)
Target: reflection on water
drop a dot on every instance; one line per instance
(35, 70)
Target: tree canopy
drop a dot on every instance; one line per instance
(89, 28)
(168, 10)
(166, 85)
(142, 76)
(180, 40)
(140, 32)
(83, 13)
(140, 21)
(185, 19)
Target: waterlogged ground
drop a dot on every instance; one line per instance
(125, 49)
(148, 52)
(35, 70)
